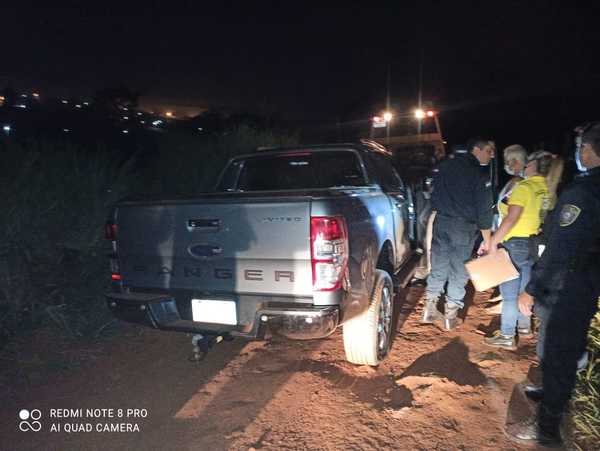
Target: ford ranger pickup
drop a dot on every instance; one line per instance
(296, 241)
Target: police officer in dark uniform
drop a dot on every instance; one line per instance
(462, 198)
(565, 280)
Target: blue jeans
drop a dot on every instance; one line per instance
(451, 246)
(518, 249)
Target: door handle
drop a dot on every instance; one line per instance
(203, 224)
(399, 200)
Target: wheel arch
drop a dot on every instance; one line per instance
(385, 260)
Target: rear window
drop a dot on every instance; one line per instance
(323, 169)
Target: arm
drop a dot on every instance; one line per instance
(508, 222)
(484, 247)
(485, 212)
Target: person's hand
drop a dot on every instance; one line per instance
(525, 303)
(493, 248)
(483, 248)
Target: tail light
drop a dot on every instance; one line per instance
(110, 230)
(110, 233)
(329, 251)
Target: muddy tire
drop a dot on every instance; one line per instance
(368, 336)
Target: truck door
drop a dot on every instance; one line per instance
(400, 199)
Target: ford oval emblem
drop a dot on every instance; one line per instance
(204, 250)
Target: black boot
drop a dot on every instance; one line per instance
(533, 392)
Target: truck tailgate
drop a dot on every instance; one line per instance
(248, 245)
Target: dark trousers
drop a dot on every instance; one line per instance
(566, 340)
(451, 246)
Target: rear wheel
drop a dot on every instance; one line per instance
(368, 336)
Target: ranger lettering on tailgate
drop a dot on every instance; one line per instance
(218, 273)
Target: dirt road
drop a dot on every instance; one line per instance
(436, 391)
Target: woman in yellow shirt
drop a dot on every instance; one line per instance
(522, 216)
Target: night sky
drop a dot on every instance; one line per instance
(529, 65)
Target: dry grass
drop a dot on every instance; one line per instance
(585, 408)
(54, 205)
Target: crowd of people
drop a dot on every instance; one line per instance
(552, 239)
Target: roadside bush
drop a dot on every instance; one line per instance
(586, 399)
(188, 164)
(54, 204)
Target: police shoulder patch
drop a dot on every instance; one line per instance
(569, 214)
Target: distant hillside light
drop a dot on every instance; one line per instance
(65, 101)
(419, 113)
(169, 114)
(6, 128)
(36, 95)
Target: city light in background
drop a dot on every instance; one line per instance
(32, 103)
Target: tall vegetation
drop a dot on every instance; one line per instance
(191, 164)
(586, 399)
(54, 203)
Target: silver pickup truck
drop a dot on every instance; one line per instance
(294, 240)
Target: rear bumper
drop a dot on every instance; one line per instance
(161, 312)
